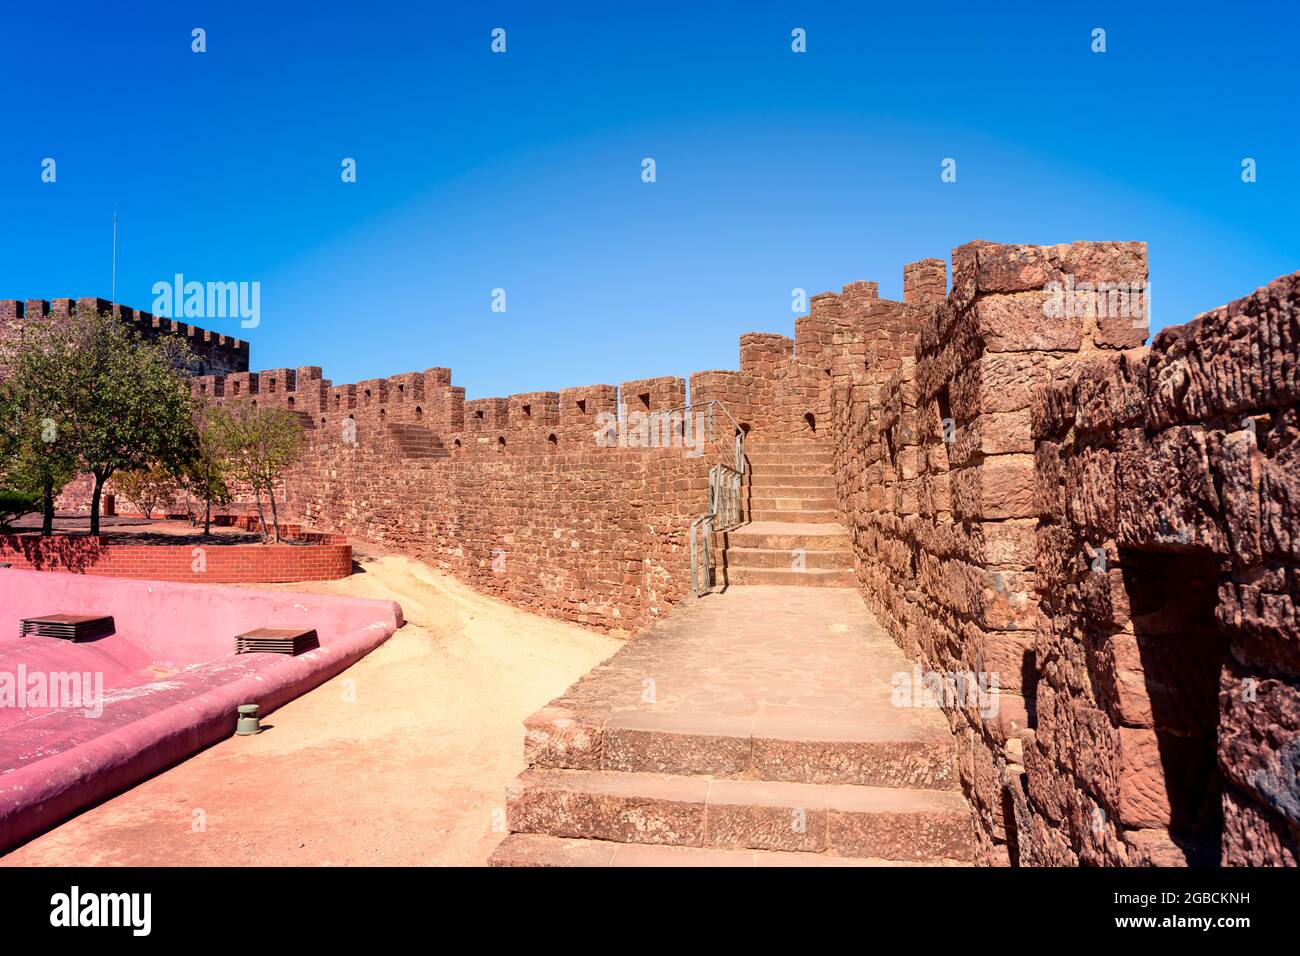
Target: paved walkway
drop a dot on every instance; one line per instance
(775, 655)
(717, 727)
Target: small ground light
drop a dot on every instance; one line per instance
(249, 722)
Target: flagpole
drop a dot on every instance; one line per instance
(114, 294)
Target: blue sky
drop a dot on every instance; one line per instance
(521, 170)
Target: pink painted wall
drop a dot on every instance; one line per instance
(171, 680)
(178, 623)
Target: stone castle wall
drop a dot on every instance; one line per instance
(534, 498)
(1168, 701)
(1106, 528)
(214, 354)
(1109, 529)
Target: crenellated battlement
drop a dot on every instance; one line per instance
(827, 349)
(215, 353)
(843, 332)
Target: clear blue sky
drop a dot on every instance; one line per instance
(522, 171)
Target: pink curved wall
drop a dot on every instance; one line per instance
(171, 680)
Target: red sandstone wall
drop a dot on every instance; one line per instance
(215, 354)
(516, 495)
(1169, 693)
(1110, 530)
(934, 457)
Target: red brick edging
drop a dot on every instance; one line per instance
(326, 558)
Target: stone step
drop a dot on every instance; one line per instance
(763, 497)
(768, 502)
(786, 577)
(806, 470)
(778, 483)
(804, 453)
(876, 748)
(424, 453)
(789, 448)
(777, 535)
(790, 452)
(536, 849)
(812, 515)
(416, 441)
(697, 811)
(768, 452)
(838, 559)
(810, 465)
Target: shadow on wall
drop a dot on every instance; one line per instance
(76, 553)
(1181, 652)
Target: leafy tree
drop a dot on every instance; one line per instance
(147, 488)
(259, 446)
(205, 482)
(129, 398)
(37, 392)
(204, 476)
(15, 503)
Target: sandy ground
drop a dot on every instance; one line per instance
(411, 773)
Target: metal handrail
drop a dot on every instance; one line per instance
(724, 503)
(710, 405)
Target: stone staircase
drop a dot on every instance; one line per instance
(748, 728)
(416, 441)
(793, 536)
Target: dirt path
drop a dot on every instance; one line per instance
(411, 773)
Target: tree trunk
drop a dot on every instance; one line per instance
(47, 498)
(261, 517)
(207, 498)
(275, 518)
(94, 503)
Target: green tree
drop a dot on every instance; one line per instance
(259, 445)
(37, 394)
(204, 476)
(15, 503)
(147, 488)
(130, 404)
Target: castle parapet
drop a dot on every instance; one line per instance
(486, 415)
(653, 394)
(214, 354)
(533, 410)
(580, 410)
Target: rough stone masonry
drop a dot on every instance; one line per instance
(1111, 529)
